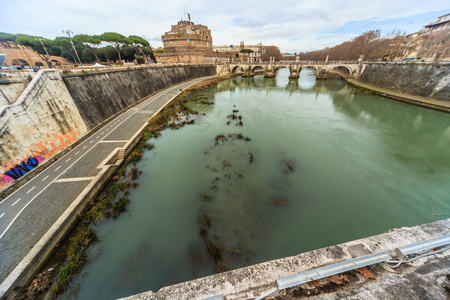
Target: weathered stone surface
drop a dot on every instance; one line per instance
(421, 279)
(424, 80)
(42, 121)
(102, 94)
(53, 112)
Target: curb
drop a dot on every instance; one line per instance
(404, 98)
(45, 247)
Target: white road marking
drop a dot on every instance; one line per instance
(74, 179)
(68, 159)
(84, 147)
(31, 189)
(102, 132)
(45, 177)
(16, 201)
(90, 142)
(77, 152)
(29, 202)
(96, 137)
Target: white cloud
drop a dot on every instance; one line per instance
(292, 25)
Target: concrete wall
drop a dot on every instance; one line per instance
(12, 84)
(54, 111)
(43, 121)
(413, 281)
(424, 80)
(99, 95)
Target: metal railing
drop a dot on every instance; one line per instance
(416, 250)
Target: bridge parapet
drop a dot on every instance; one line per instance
(322, 68)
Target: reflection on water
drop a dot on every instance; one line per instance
(316, 165)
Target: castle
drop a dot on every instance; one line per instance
(187, 42)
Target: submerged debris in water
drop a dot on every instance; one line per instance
(289, 165)
(280, 202)
(206, 197)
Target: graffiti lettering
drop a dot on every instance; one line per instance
(31, 157)
(21, 169)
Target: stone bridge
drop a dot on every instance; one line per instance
(349, 68)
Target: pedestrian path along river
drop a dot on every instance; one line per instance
(28, 213)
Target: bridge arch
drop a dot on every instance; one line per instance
(19, 61)
(347, 69)
(56, 62)
(311, 68)
(279, 68)
(237, 69)
(257, 68)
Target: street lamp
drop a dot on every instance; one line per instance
(45, 49)
(68, 33)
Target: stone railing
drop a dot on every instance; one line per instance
(29, 94)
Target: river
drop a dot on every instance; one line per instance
(321, 165)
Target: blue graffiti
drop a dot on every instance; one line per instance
(24, 167)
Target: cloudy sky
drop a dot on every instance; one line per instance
(294, 26)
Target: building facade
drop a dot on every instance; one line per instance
(186, 42)
(20, 55)
(443, 22)
(430, 43)
(235, 54)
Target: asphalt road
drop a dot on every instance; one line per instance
(27, 214)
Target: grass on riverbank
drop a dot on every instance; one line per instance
(110, 203)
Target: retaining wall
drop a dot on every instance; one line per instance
(99, 95)
(54, 111)
(43, 121)
(426, 80)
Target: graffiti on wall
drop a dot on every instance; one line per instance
(21, 169)
(23, 163)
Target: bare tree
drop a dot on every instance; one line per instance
(271, 51)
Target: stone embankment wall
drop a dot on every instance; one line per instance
(12, 84)
(54, 111)
(419, 79)
(42, 121)
(99, 95)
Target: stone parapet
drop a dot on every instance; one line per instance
(412, 281)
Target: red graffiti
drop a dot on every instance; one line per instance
(45, 149)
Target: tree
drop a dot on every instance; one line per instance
(138, 43)
(101, 54)
(115, 39)
(7, 37)
(65, 46)
(88, 56)
(127, 52)
(92, 42)
(110, 53)
(37, 44)
(149, 52)
(271, 51)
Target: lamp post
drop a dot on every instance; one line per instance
(45, 49)
(73, 46)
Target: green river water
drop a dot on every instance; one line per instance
(329, 166)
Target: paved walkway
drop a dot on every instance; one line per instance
(417, 100)
(28, 213)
